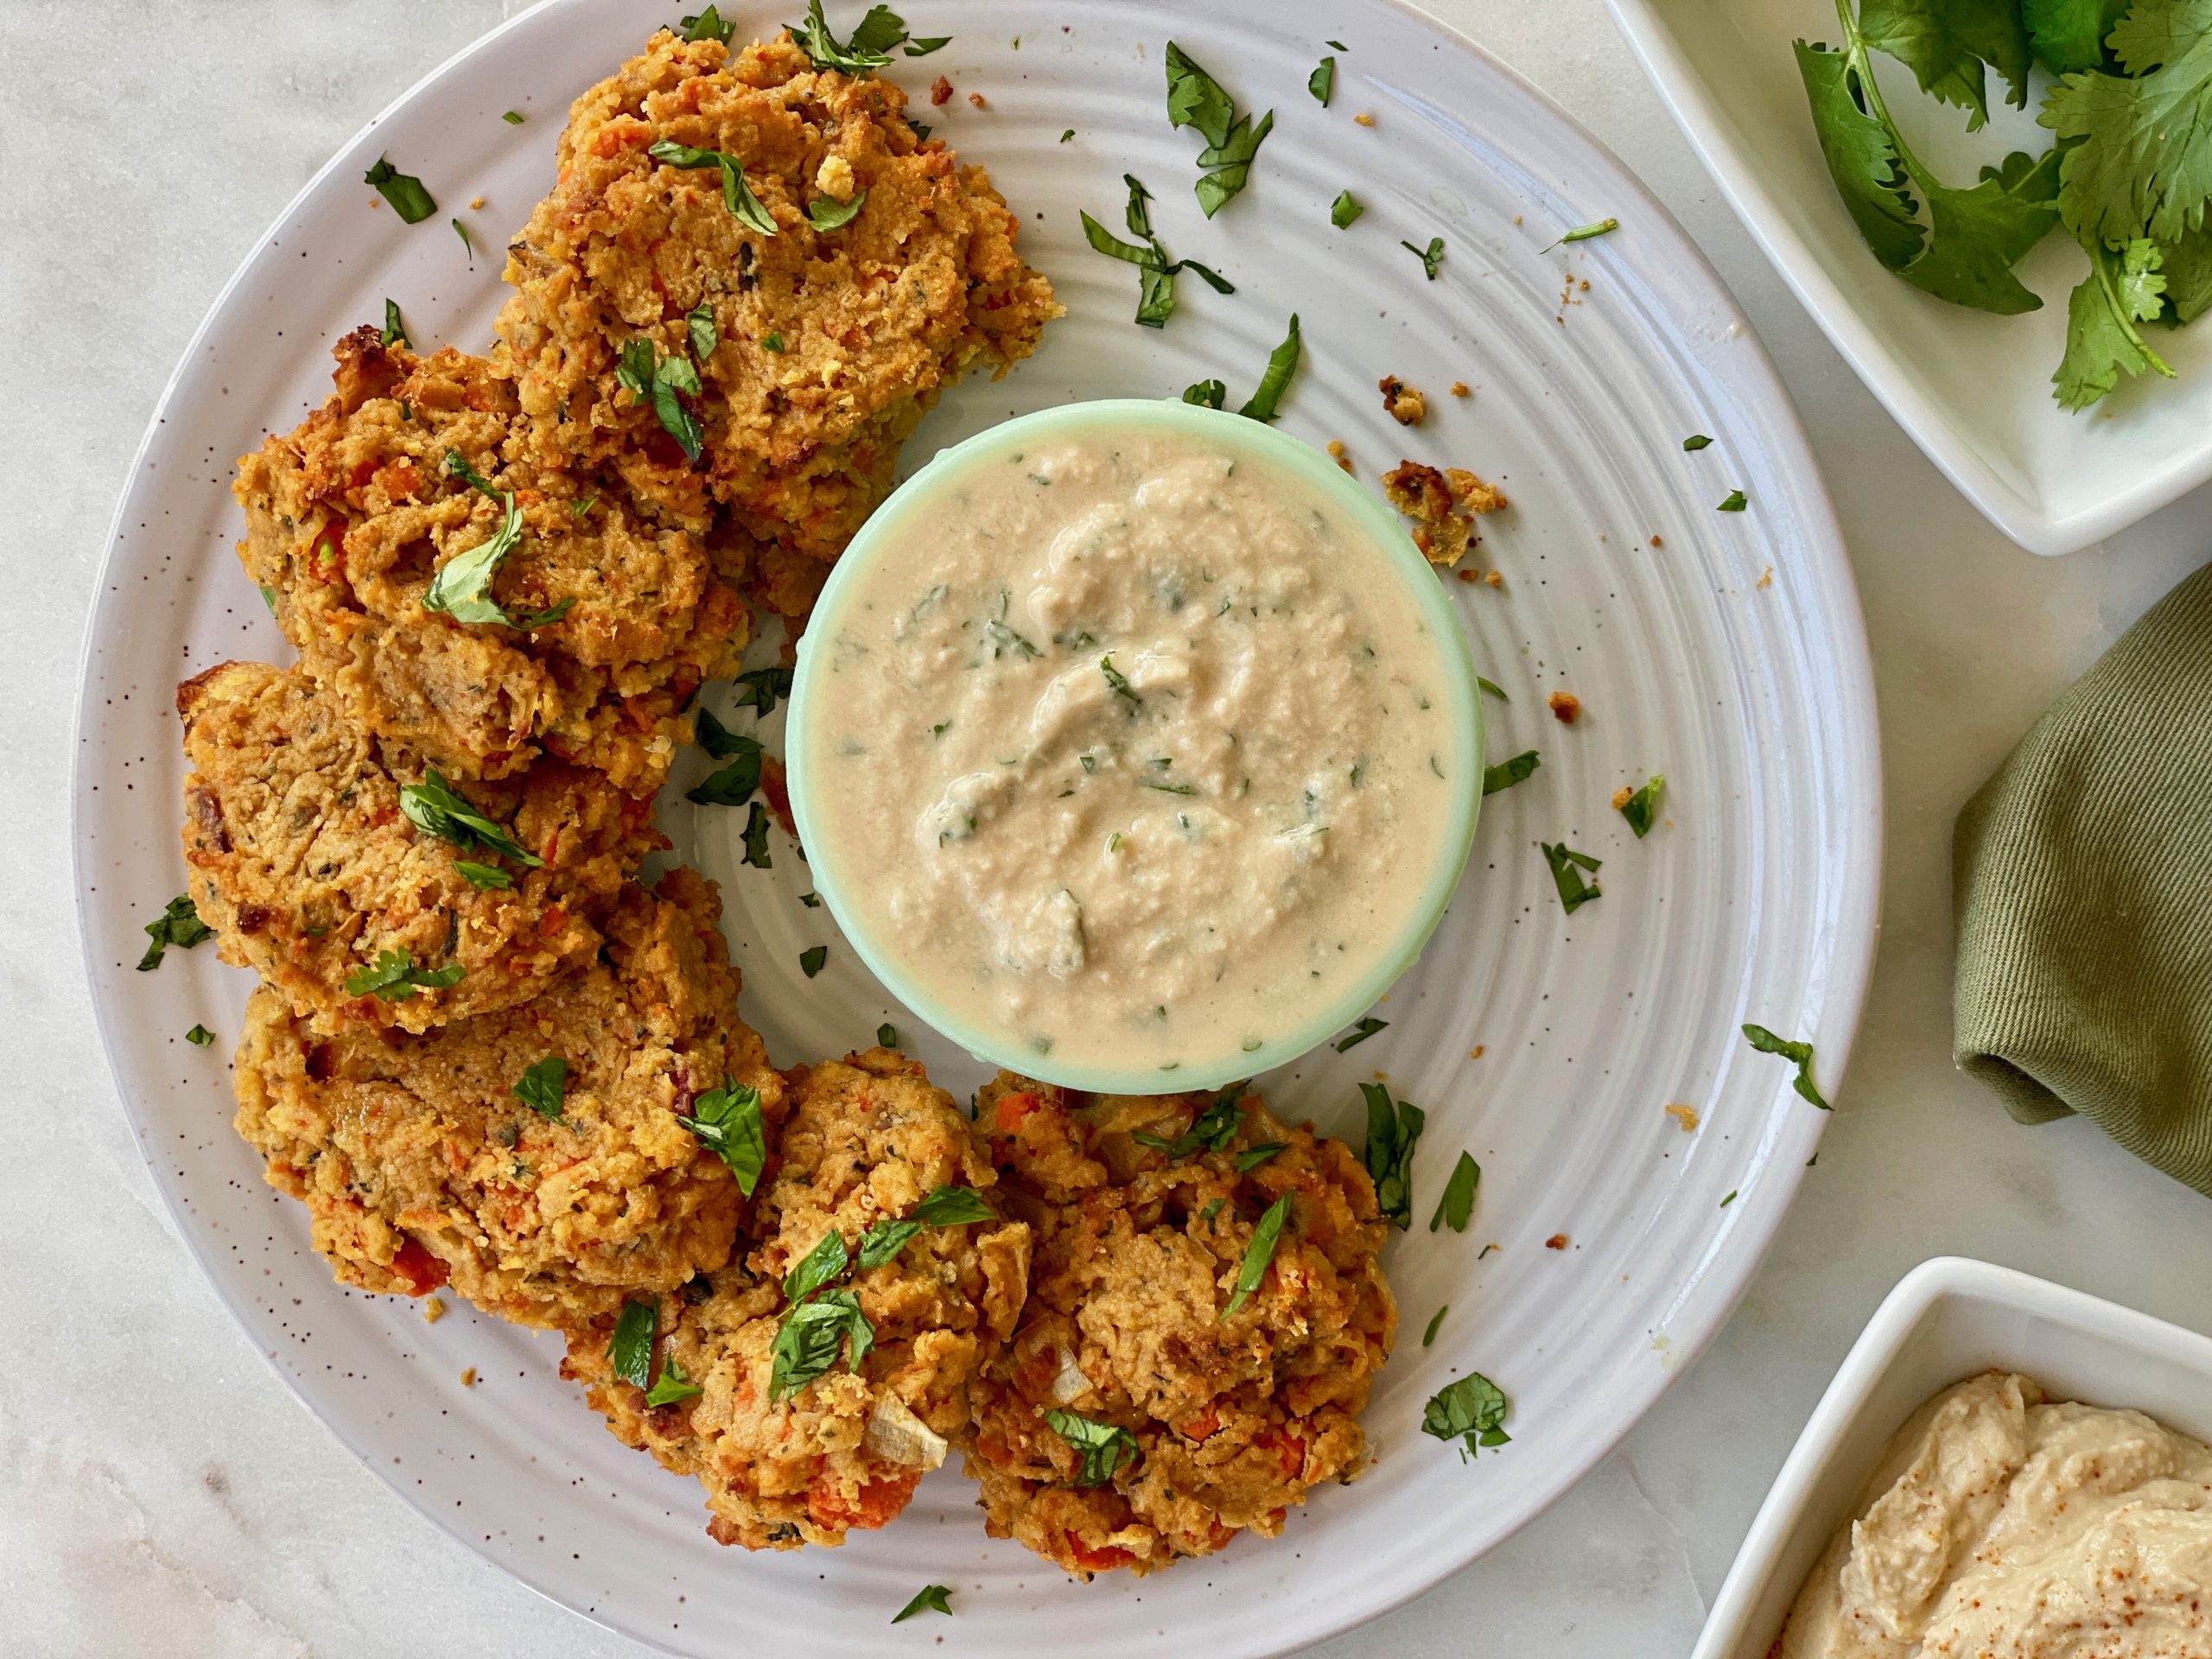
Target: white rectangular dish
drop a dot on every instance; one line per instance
(1947, 1319)
(1972, 389)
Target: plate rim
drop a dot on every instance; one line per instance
(1844, 984)
(1681, 90)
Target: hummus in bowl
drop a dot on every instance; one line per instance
(2000, 1524)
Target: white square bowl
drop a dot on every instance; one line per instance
(1947, 1319)
(1973, 389)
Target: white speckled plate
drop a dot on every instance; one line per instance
(1754, 900)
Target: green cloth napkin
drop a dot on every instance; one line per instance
(2083, 881)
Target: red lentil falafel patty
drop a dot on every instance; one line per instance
(1205, 1412)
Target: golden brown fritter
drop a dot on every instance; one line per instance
(421, 1167)
(308, 871)
(1442, 504)
(1230, 1417)
(349, 517)
(867, 1140)
(828, 345)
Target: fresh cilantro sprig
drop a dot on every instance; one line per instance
(543, 1087)
(1100, 1448)
(1267, 398)
(1393, 1130)
(1567, 866)
(727, 1122)
(1506, 773)
(650, 378)
(436, 807)
(1211, 1129)
(393, 977)
(403, 191)
(1472, 1409)
(1266, 1236)
(1801, 1054)
(931, 1597)
(737, 195)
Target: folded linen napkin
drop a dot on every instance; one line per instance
(2084, 891)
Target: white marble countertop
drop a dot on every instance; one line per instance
(161, 1491)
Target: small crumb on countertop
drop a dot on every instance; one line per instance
(1565, 707)
(433, 1310)
(1685, 1115)
(1405, 404)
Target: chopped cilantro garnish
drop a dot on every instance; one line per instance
(1730, 1199)
(1207, 394)
(1196, 99)
(923, 46)
(650, 378)
(727, 1122)
(811, 1339)
(436, 809)
(403, 190)
(1734, 502)
(1282, 362)
(1490, 690)
(716, 739)
(699, 325)
(758, 688)
(1344, 209)
(671, 1386)
(1695, 442)
(1567, 865)
(705, 25)
(827, 213)
(462, 586)
(886, 1036)
(1435, 1320)
(632, 1348)
(512, 117)
(1119, 683)
(756, 838)
(947, 1206)
(737, 194)
(1473, 1409)
(1156, 272)
(1100, 1448)
(1257, 1254)
(395, 331)
(1457, 1203)
(1430, 257)
(811, 959)
(1767, 1043)
(200, 1037)
(1640, 809)
(1506, 773)
(773, 342)
(1583, 232)
(732, 785)
(543, 1086)
(393, 977)
(930, 1599)
(870, 49)
(1323, 80)
(467, 246)
(1393, 1130)
(824, 1264)
(178, 924)
(1068, 136)
(1359, 1034)
(1252, 1157)
(1212, 1128)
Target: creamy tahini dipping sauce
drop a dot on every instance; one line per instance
(1136, 750)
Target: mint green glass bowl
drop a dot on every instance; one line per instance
(883, 538)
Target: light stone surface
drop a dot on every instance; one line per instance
(161, 1492)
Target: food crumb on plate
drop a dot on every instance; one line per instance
(1336, 448)
(1767, 580)
(1458, 389)
(468, 1378)
(1365, 119)
(1405, 404)
(977, 98)
(1443, 505)
(1655, 542)
(476, 204)
(1565, 707)
(433, 1311)
(940, 91)
(1557, 1242)
(1682, 1113)
(1476, 1052)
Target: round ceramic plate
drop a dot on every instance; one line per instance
(1722, 649)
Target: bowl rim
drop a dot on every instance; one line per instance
(1735, 1627)
(1683, 89)
(910, 985)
